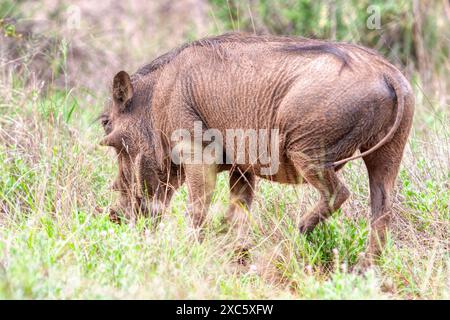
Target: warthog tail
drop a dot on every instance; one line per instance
(400, 108)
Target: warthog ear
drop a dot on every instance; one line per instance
(122, 90)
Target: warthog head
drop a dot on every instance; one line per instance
(143, 182)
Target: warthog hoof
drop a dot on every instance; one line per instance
(114, 216)
(307, 223)
(365, 262)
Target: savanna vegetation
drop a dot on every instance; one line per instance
(57, 59)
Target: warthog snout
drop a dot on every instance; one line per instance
(128, 212)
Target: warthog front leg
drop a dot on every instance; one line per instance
(200, 180)
(242, 187)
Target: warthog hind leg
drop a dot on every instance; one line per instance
(382, 167)
(332, 192)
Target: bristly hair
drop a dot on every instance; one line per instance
(291, 44)
(320, 47)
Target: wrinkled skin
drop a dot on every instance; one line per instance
(144, 187)
(328, 100)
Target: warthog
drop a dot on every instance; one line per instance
(321, 100)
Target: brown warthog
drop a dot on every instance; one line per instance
(317, 102)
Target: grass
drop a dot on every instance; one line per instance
(53, 244)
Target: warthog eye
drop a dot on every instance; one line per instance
(106, 123)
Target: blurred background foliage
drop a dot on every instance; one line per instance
(415, 35)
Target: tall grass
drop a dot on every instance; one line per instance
(56, 240)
